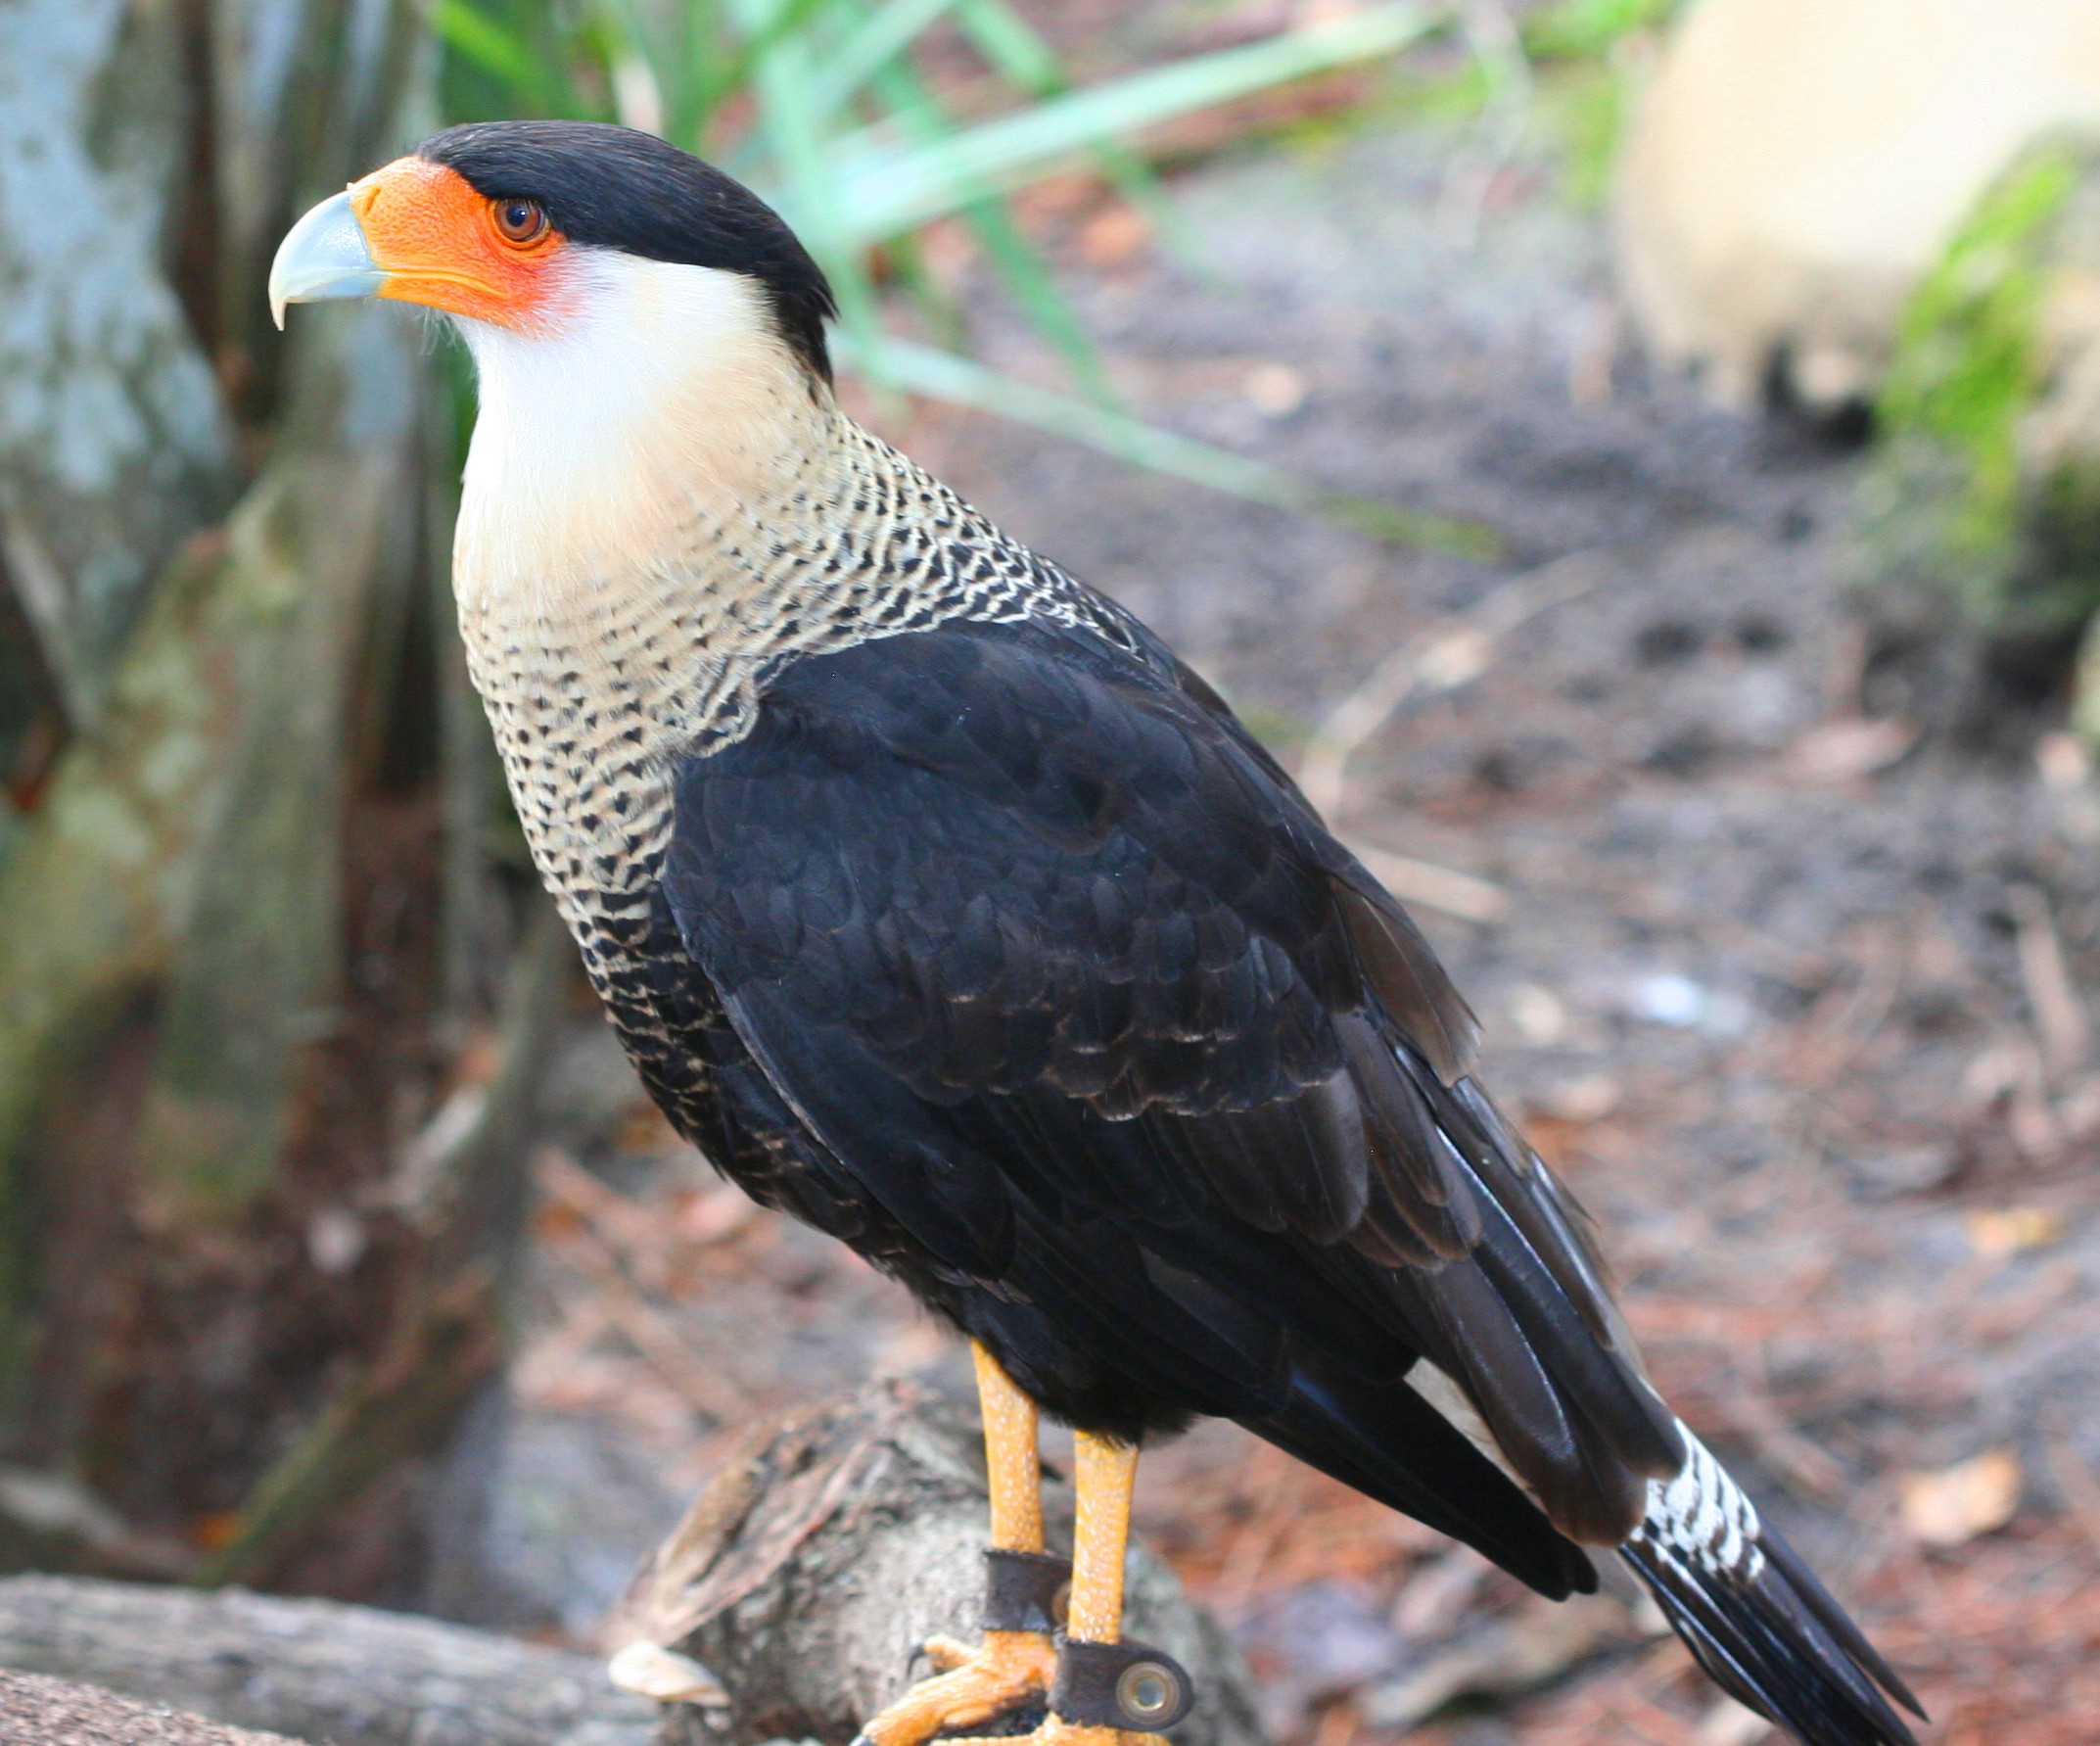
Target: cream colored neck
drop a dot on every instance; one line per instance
(663, 415)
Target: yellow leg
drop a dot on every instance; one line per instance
(1009, 1456)
(1106, 1472)
(1103, 1474)
(1009, 1669)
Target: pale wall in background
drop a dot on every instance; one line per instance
(1794, 165)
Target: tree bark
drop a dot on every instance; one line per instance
(114, 444)
(315, 1670)
(831, 1542)
(38, 1711)
(250, 941)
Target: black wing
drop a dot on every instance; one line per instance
(1058, 965)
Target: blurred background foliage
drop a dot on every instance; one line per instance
(1987, 481)
(865, 122)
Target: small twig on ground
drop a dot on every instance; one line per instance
(1814, 1469)
(2074, 1480)
(580, 1321)
(646, 1329)
(2059, 1015)
(1438, 1591)
(1441, 657)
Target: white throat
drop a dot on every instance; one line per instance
(657, 395)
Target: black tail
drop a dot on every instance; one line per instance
(1760, 1624)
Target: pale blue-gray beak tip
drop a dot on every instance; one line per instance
(323, 256)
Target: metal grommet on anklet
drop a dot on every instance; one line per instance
(1125, 1685)
(1025, 1590)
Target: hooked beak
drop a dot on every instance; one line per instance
(420, 233)
(323, 256)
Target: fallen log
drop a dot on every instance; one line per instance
(37, 1711)
(831, 1542)
(312, 1669)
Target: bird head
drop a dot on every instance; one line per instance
(538, 229)
(644, 329)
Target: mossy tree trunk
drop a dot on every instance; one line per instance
(249, 940)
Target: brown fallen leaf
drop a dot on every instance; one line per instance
(1276, 390)
(1114, 236)
(1585, 1099)
(1953, 1506)
(1844, 750)
(1995, 1233)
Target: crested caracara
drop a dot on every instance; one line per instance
(946, 910)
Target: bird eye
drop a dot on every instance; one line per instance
(519, 221)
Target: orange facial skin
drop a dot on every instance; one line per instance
(437, 242)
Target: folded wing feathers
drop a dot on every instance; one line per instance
(1494, 1285)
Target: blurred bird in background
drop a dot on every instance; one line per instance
(948, 911)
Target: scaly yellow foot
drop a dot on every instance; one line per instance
(1011, 1669)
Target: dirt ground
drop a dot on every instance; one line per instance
(1785, 981)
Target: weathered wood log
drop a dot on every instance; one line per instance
(315, 1670)
(36, 1711)
(832, 1541)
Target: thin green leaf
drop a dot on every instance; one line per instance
(783, 28)
(810, 193)
(941, 313)
(911, 368)
(887, 188)
(1012, 256)
(481, 41)
(1014, 47)
(884, 35)
(636, 39)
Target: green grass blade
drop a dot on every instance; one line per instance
(940, 313)
(479, 40)
(1011, 44)
(808, 192)
(1015, 48)
(1015, 259)
(781, 28)
(884, 35)
(887, 188)
(909, 368)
